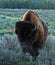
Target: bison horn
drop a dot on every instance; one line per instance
(35, 28)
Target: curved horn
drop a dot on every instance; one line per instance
(35, 28)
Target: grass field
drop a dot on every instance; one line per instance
(8, 18)
(10, 49)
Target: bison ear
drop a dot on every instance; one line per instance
(16, 27)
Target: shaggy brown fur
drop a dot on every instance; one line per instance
(34, 18)
(34, 40)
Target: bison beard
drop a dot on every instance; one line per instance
(32, 33)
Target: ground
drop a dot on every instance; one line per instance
(8, 18)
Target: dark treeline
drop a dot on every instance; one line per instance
(28, 4)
